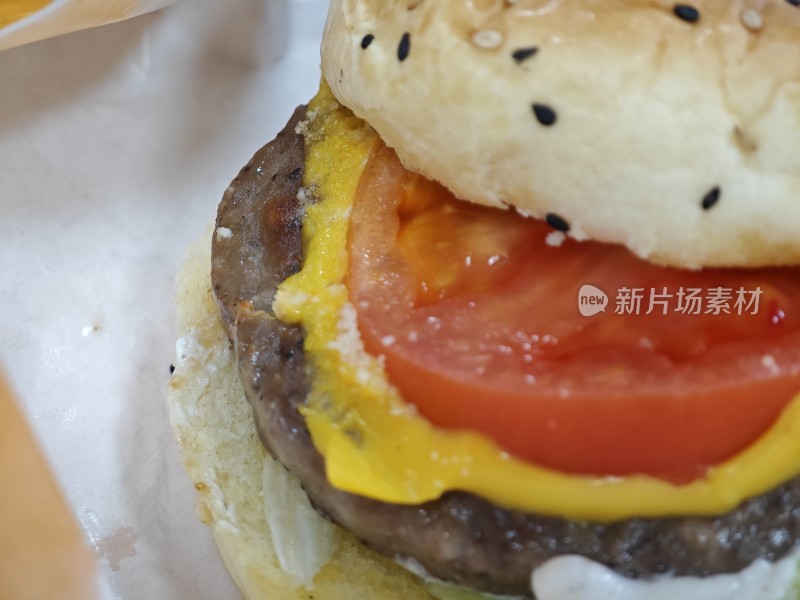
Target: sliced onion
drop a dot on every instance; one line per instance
(304, 541)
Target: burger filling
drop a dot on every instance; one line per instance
(454, 499)
(450, 353)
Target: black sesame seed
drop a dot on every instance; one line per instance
(557, 222)
(687, 13)
(296, 174)
(404, 48)
(367, 40)
(711, 198)
(171, 369)
(523, 54)
(546, 115)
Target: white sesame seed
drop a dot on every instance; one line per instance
(751, 19)
(487, 38)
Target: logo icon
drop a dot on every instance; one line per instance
(591, 300)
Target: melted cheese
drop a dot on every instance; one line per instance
(15, 10)
(376, 446)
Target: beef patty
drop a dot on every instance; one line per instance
(460, 537)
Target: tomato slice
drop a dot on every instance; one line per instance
(479, 323)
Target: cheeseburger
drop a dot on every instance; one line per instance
(511, 309)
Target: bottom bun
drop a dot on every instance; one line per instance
(274, 544)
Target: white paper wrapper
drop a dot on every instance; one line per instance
(116, 144)
(65, 16)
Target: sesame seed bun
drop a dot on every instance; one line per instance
(670, 128)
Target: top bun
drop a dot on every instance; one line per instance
(673, 129)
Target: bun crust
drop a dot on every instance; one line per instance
(672, 129)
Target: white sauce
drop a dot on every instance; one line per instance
(555, 238)
(223, 233)
(577, 578)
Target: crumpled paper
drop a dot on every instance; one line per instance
(65, 16)
(116, 145)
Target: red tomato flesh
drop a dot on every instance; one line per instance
(477, 318)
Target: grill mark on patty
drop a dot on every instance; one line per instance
(460, 537)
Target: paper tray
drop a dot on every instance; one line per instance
(115, 147)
